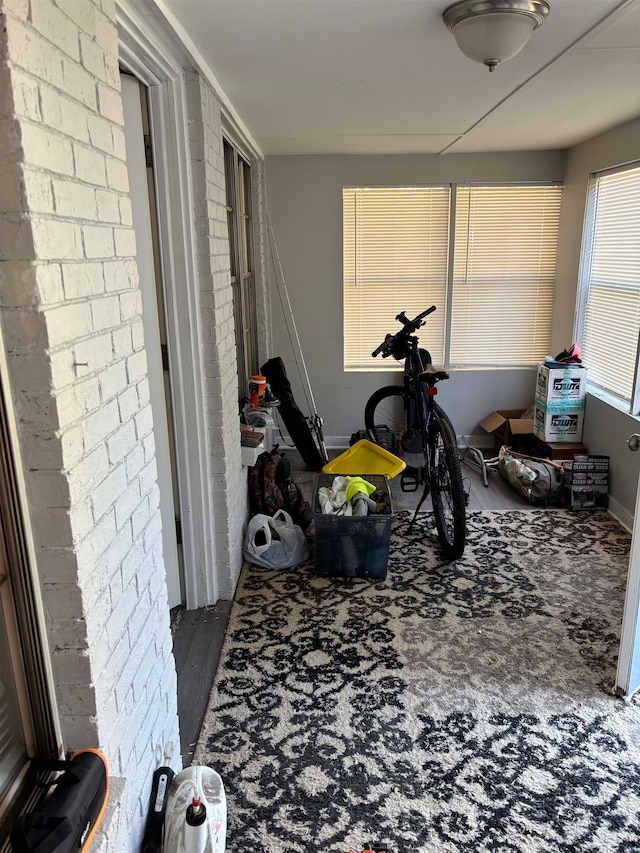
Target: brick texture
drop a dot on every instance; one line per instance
(71, 316)
(71, 311)
(228, 477)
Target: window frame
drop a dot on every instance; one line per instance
(450, 291)
(23, 619)
(237, 168)
(631, 406)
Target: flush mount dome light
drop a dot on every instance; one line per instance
(492, 31)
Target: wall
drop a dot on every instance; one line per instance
(606, 428)
(305, 202)
(71, 317)
(226, 477)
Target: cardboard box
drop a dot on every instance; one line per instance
(586, 470)
(585, 478)
(506, 425)
(586, 497)
(586, 462)
(558, 422)
(561, 384)
(558, 451)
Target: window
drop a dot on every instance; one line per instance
(238, 197)
(395, 259)
(484, 255)
(503, 275)
(609, 298)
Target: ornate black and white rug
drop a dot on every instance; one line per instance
(447, 708)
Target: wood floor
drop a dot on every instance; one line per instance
(198, 634)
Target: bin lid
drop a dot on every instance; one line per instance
(365, 457)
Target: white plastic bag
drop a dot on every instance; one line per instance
(274, 542)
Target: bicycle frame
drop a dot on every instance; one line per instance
(423, 432)
(421, 394)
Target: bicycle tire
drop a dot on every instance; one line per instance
(388, 407)
(447, 489)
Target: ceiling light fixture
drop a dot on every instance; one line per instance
(492, 31)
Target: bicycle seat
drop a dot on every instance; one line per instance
(430, 375)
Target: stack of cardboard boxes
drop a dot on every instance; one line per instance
(586, 482)
(556, 433)
(559, 418)
(559, 403)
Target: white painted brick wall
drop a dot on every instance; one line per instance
(229, 477)
(70, 310)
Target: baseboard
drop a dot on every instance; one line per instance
(337, 442)
(621, 514)
(481, 441)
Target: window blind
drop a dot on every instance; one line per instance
(503, 274)
(611, 282)
(395, 243)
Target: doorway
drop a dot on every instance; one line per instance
(144, 211)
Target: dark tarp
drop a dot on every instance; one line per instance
(295, 422)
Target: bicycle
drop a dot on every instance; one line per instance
(421, 433)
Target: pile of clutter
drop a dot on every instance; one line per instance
(353, 496)
(258, 407)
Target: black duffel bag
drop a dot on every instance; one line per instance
(68, 818)
(299, 431)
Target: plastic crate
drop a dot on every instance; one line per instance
(352, 546)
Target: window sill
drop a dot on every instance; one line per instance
(249, 455)
(619, 405)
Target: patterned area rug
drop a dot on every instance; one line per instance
(447, 708)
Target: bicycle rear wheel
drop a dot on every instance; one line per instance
(391, 420)
(447, 490)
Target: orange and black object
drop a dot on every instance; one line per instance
(68, 818)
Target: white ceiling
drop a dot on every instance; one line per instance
(386, 77)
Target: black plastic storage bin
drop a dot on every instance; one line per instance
(348, 546)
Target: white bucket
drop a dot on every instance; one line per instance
(196, 816)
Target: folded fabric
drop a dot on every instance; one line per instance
(333, 501)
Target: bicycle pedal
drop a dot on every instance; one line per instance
(410, 480)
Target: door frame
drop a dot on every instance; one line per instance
(158, 61)
(631, 615)
(143, 203)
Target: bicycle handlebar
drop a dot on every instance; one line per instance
(409, 326)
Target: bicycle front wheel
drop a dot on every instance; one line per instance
(390, 420)
(447, 490)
